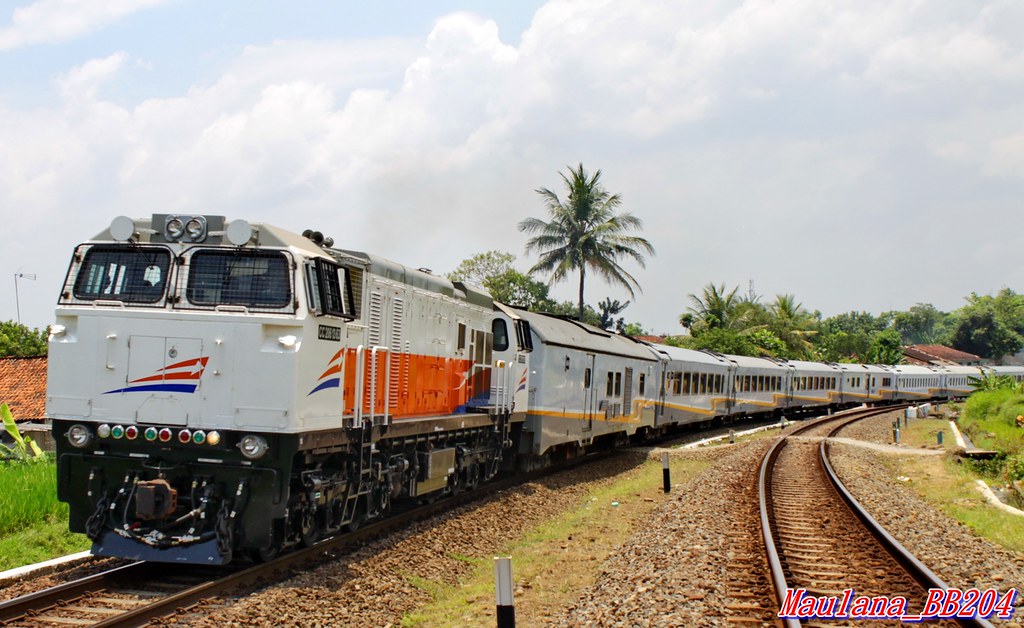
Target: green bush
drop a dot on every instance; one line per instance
(990, 420)
(1015, 468)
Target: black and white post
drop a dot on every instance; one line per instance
(503, 591)
(666, 475)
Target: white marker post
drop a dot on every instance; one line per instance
(503, 591)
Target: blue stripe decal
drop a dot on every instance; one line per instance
(181, 388)
(331, 383)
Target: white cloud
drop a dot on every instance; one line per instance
(52, 21)
(729, 128)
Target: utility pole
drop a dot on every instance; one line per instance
(17, 302)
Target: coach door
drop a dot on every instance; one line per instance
(589, 392)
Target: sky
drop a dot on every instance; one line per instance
(860, 155)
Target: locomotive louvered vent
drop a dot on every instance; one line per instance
(376, 310)
(374, 380)
(395, 344)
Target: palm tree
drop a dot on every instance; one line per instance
(715, 310)
(585, 232)
(792, 324)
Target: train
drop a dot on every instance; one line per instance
(224, 390)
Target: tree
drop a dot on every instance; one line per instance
(713, 310)
(791, 324)
(980, 332)
(633, 329)
(17, 340)
(847, 337)
(585, 233)
(494, 271)
(921, 324)
(568, 309)
(608, 309)
(886, 348)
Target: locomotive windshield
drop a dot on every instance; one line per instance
(255, 279)
(133, 274)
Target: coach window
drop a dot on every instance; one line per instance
(618, 384)
(586, 377)
(684, 388)
(643, 383)
(611, 384)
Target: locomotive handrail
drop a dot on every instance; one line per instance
(373, 382)
(360, 379)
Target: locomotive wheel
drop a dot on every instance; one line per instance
(311, 531)
(265, 554)
(473, 476)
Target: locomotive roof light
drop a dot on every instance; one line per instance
(122, 228)
(199, 437)
(213, 438)
(174, 228)
(150, 433)
(196, 230)
(79, 436)
(103, 431)
(184, 437)
(253, 446)
(165, 435)
(117, 431)
(185, 228)
(131, 432)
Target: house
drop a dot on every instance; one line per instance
(940, 355)
(23, 389)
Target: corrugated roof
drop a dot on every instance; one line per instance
(23, 387)
(939, 354)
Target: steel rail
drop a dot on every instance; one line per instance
(913, 566)
(918, 570)
(68, 591)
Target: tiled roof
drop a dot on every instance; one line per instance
(23, 387)
(940, 354)
(658, 340)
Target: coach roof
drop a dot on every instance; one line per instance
(556, 331)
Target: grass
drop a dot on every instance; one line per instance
(42, 541)
(950, 486)
(948, 483)
(33, 524)
(989, 419)
(558, 557)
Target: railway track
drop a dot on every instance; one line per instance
(817, 536)
(135, 594)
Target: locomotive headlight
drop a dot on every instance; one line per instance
(196, 229)
(103, 431)
(213, 438)
(253, 446)
(79, 436)
(174, 229)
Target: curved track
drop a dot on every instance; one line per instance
(818, 537)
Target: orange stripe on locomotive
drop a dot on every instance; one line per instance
(417, 385)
